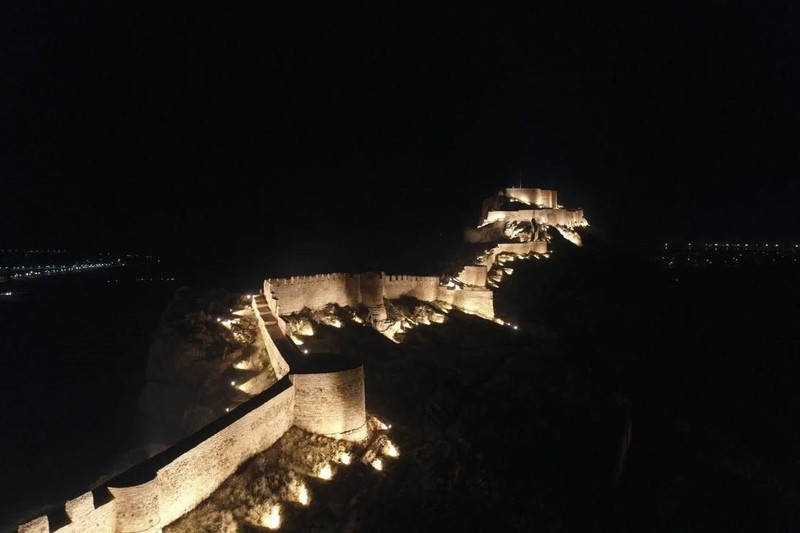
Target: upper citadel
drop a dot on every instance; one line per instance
(319, 394)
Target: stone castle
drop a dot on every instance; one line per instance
(326, 399)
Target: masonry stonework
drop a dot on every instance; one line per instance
(331, 404)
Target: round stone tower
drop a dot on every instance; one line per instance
(329, 396)
(372, 296)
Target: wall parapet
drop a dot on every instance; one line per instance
(314, 278)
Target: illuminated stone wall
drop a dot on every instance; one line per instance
(270, 327)
(83, 515)
(137, 508)
(559, 217)
(184, 481)
(474, 275)
(331, 404)
(521, 248)
(288, 295)
(522, 215)
(180, 477)
(40, 524)
(314, 292)
(471, 300)
(421, 287)
(540, 197)
(552, 217)
(194, 475)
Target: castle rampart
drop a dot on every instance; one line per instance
(471, 300)
(559, 217)
(523, 215)
(191, 477)
(533, 196)
(137, 507)
(158, 491)
(420, 287)
(314, 292)
(270, 327)
(332, 404)
(473, 275)
(82, 514)
(518, 248)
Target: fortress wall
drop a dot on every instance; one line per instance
(331, 404)
(521, 248)
(256, 384)
(40, 524)
(542, 197)
(86, 518)
(510, 216)
(473, 275)
(272, 305)
(137, 508)
(371, 291)
(420, 287)
(266, 321)
(295, 293)
(559, 217)
(371, 286)
(83, 515)
(472, 300)
(193, 476)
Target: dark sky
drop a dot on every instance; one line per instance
(221, 126)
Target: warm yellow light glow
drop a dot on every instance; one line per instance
(381, 425)
(244, 364)
(377, 464)
(302, 494)
(272, 518)
(391, 450)
(336, 323)
(295, 340)
(345, 458)
(325, 471)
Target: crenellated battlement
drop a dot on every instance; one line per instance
(314, 278)
(418, 279)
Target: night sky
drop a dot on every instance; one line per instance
(209, 128)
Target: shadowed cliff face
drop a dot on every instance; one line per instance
(192, 363)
